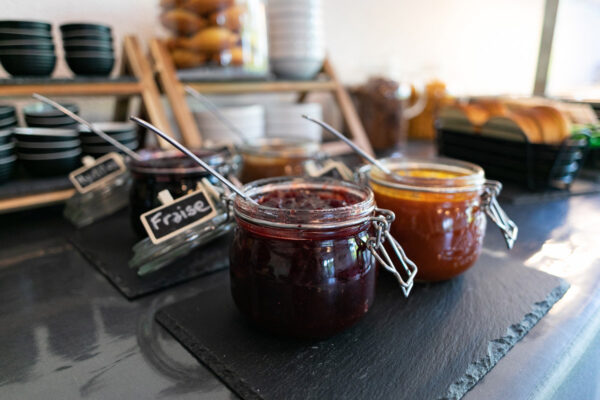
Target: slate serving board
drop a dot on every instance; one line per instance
(434, 345)
(107, 245)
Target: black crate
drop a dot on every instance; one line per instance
(534, 166)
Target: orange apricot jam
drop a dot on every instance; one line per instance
(440, 222)
(271, 157)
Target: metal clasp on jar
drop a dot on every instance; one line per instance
(509, 229)
(382, 220)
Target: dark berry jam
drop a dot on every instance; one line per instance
(307, 199)
(160, 170)
(298, 282)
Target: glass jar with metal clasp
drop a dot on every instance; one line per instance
(440, 207)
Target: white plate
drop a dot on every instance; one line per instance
(45, 132)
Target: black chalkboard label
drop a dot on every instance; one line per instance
(332, 169)
(102, 170)
(169, 220)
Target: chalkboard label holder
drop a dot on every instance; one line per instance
(167, 201)
(90, 163)
(329, 165)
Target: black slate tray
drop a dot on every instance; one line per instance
(438, 343)
(107, 245)
(30, 186)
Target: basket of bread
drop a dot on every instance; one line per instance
(528, 142)
(208, 35)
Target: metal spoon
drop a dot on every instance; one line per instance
(214, 110)
(350, 143)
(82, 121)
(186, 151)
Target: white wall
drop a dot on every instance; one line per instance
(476, 46)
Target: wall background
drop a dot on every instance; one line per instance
(475, 46)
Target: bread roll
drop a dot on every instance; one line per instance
(203, 7)
(475, 113)
(168, 4)
(528, 124)
(231, 18)
(211, 40)
(494, 107)
(183, 58)
(181, 21)
(562, 124)
(237, 56)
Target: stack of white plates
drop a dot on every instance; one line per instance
(249, 120)
(285, 120)
(296, 38)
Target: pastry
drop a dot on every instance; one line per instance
(475, 113)
(237, 56)
(528, 124)
(182, 21)
(206, 6)
(231, 18)
(168, 4)
(211, 40)
(183, 58)
(562, 126)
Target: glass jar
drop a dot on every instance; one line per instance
(271, 157)
(217, 38)
(302, 262)
(440, 208)
(170, 170)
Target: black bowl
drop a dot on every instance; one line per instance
(6, 136)
(17, 34)
(65, 28)
(50, 121)
(95, 48)
(11, 24)
(45, 168)
(77, 36)
(67, 146)
(26, 45)
(8, 122)
(29, 64)
(7, 149)
(44, 134)
(92, 65)
(122, 137)
(43, 110)
(7, 111)
(104, 43)
(7, 167)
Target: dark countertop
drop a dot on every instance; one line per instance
(65, 332)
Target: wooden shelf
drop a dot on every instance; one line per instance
(35, 200)
(136, 79)
(262, 86)
(108, 88)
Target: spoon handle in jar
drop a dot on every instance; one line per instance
(212, 107)
(350, 143)
(187, 152)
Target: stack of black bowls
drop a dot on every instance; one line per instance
(8, 117)
(88, 49)
(48, 152)
(41, 115)
(8, 158)
(123, 132)
(26, 48)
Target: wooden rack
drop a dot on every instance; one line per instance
(136, 79)
(327, 82)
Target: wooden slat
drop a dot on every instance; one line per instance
(72, 89)
(35, 200)
(176, 94)
(142, 70)
(262, 87)
(336, 148)
(358, 134)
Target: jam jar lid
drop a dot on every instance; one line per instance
(162, 162)
(356, 203)
(280, 147)
(439, 175)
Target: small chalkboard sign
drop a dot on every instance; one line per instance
(331, 169)
(98, 173)
(170, 219)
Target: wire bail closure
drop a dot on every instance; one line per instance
(382, 221)
(509, 229)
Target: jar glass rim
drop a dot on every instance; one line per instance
(285, 147)
(144, 165)
(467, 176)
(331, 218)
